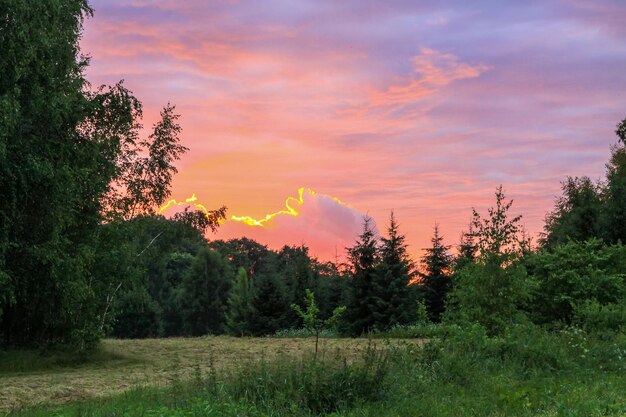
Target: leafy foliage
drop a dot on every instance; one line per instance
(310, 317)
(47, 166)
(492, 290)
(577, 213)
(614, 210)
(574, 274)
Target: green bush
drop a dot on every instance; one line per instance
(597, 318)
(490, 294)
(574, 274)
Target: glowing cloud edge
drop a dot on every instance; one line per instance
(288, 211)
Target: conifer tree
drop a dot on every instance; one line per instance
(363, 258)
(466, 250)
(239, 304)
(270, 304)
(204, 294)
(436, 275)
(394, 301)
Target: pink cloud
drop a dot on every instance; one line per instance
(432, 70)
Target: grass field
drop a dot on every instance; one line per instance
(527, 372)
(28, 378)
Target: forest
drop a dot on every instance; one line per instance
(85, 257)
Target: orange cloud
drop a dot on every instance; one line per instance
(432, 70)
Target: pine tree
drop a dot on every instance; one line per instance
(239, 304)
(436, 275)
(363, 258)
(394, 301)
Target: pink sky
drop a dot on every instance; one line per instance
(419, 107)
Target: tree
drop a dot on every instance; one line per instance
(145, 170)
(466, 250)
(270, 304)
(614, 213)
(576, 215)
(310, 317)
(239, 304)
(138, 315)
(204, 294)
(296, 269)
(394, 301)
(363, 258)
(436, 276)
(492, 290)
(70, 158)
(51, 177)
(573, 274)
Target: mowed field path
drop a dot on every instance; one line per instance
(133, 363)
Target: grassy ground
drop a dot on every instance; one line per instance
(29, 378)
(526, 372)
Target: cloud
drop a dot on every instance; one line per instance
(321, 222)
(422, 107)
(432, 70)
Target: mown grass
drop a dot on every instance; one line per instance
(31, 378)
(526, 372)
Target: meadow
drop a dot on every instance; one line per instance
(29, 378)
(462, 371)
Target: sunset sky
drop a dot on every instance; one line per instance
(423, 107)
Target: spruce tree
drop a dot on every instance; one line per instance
(466, 250)
(394, 301)
(204, 294)
(363, 258)
(239, 304)
(436, 275)
(270, 304)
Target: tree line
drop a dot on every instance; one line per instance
(83, 254)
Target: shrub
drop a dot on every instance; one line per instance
(597, 318)
(574, 274)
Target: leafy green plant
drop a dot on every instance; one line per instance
(310, 317)
(492, 290)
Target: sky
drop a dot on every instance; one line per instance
(422, 108)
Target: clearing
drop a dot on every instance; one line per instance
(28, 379)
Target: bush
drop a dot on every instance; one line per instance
(597, 318)
(574, 274)
(489, 294)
